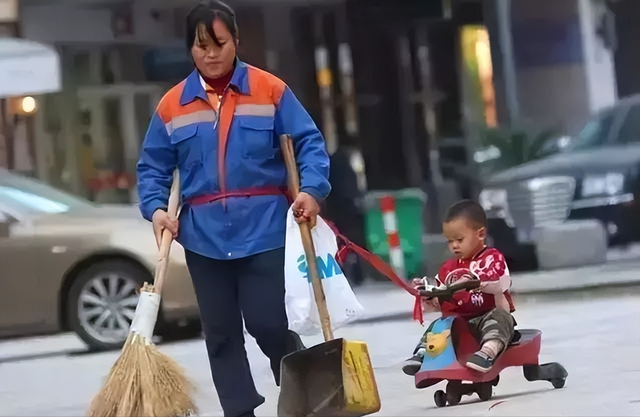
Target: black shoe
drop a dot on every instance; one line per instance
(480, 362)
(248, 414)
(412, 365)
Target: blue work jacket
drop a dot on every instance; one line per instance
(226, 147)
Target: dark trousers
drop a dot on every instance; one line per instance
(227, 291)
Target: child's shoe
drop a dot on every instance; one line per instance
(480, 362)
(412, 365)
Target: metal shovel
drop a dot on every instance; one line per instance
(334, 378)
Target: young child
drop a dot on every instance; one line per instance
(488, 309)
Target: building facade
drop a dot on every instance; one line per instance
(405, 81)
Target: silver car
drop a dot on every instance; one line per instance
(66, 264)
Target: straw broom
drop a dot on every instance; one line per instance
(143, 381)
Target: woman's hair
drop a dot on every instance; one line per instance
(204, 14)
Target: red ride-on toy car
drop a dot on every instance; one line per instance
(451, 343)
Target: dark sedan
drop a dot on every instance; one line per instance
(597, 177)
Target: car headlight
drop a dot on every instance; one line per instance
(537, 184)
(609, 184)
(487, 154)
(493, 200)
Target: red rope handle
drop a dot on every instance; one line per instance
(380, 266)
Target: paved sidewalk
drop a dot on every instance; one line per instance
(386, 301)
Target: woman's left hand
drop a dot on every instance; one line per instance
(306, 209)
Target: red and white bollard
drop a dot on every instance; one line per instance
(390, 221)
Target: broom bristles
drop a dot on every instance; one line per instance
(144, 382)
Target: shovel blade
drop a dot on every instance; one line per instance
(334, 378)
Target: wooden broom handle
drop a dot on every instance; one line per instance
(167, 238)
(288, 154)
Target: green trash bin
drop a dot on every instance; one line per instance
(410, 204)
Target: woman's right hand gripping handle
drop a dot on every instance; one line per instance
(161, 221)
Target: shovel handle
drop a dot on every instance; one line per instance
(167, 238)
(288, 154)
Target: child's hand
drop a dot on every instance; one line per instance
(430, 305)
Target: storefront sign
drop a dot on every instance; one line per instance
(28, 67)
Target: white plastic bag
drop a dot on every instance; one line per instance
(300, 302)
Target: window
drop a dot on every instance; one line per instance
(595, 132)
(630, 130)
(31, 197)
(30, 202)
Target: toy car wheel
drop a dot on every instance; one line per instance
(558, 382)
(453, 398)
(485, 391)
(440, 398)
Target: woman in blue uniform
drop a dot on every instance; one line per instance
(220, 127)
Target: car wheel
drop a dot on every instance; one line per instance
(102, 302)
(522, 258)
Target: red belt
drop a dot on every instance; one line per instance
(247, 192)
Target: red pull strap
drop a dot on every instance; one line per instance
(380, 266)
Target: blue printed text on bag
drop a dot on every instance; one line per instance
(327, 268)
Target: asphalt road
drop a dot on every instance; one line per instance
(596, 336)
